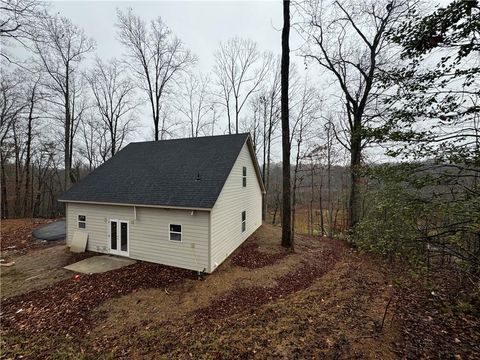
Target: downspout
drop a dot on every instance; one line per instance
(209, 263)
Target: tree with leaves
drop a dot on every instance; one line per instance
(437, 105)
(430, 204)
(348, 40)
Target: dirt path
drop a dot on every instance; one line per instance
(38, 264)
(36, 270)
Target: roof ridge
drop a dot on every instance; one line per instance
(190, 138)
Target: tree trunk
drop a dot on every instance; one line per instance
(274, 219)
(336, 217)
(322, 225)
(264, 166)
(329, 181)
(354, 205)
(32, 184)
(155, 124)
(68, 165)
(26, 202)
(236, 115)
(295, 182)
(267, 176)
(4, 187)
(113, 138)
(287, 236)
(310, 222)
(18, 173)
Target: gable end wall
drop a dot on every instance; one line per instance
(226, 215)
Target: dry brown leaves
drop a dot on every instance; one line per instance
(16, 234)
(249, 257)
(300, 278)
(65, 307)
(432, 325)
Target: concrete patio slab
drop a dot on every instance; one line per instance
(99, 264)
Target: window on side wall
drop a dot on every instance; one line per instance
(244, 177)
(175, 232)
(82, 221)
(244, 221)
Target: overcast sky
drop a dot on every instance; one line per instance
(200, 24)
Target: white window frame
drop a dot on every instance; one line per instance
(83, 222)
(244, 221)
(175, 232)
(244, 176)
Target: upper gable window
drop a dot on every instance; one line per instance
(244, 177)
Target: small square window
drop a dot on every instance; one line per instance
(244, 177)
(244, 221)
(82, 221)
(175, 232)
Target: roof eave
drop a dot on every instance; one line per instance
(191, 208)
(255, 164)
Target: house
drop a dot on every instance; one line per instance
(187, 203)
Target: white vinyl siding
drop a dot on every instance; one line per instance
(226, 215)
(148, 233)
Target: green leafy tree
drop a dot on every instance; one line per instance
(431, 203)
(435, 110)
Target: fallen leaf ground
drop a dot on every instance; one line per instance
(325, 300)
(17, 235)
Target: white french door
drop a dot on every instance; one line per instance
(119, 237)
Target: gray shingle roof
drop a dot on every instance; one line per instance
(163, 173)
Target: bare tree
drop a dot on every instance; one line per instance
(329, 136)
(287, 235)
(240, 69)
(34, 96)
(60, 52)
(18, 22)
(113, 94)
(195, 103)
(95, 145)
(348, 40)
(170, 125)
(253, 123)
(305, 112)
(271, 119)
(10, 108)
(157, 56)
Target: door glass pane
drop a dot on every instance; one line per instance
(123, 236)
(113, 232)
